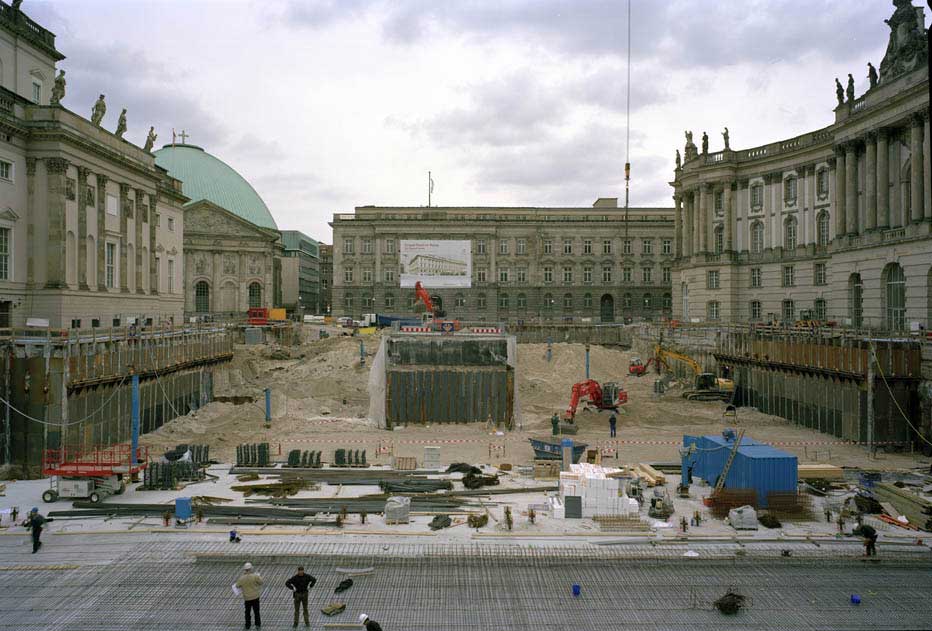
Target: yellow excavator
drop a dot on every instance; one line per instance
(708, 387)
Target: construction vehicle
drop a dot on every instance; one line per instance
(708, 386)
(93, 474)
(602, 397)
(257, 316)
(434, 314)
(636, 367)
(661, 505)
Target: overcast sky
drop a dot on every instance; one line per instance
(324, 105)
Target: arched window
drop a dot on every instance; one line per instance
(647, 301)
(587, 301)
(894, 284)
(789, 233)
(719, 240)
(855, 300)
(667, 302)
(255, 295)
(503, 301)
(201, 297)
(548, 301)
(348, 301)
(757, 237)
(567, 302)
(480, 302)
(627, 301)
(459, 300)
(822, 225)
(522, 301)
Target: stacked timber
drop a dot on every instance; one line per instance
(916, 509)
(816, 471)
(649, 474)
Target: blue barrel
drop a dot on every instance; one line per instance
(577, 590)
(855, 599)
(183, 509)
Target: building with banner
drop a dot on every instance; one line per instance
(597, 264)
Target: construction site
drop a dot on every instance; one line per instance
(657, 477)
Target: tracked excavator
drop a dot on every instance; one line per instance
(606, 396)
(708, 386)
(434, 314)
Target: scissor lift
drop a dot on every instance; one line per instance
(90, 474)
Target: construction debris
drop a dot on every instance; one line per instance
(477, 480)
(397, 510)
(333, 609)
(465, 469)
(440, 521)
(477, 521)
(344, 585)
(916, 509)
(284, 488)
(769, 521)
(730, 604)
(743, 518)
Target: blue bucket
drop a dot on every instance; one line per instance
(577, 590)
(855, 599)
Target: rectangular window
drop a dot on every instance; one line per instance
(158, 220)
(567, 275)
(389, 301)
(110, 262)
(719, 202)
(482, 275)
(36, 92)
(789, 189)
(6, 170)
(587, 301)
(171, 276)
(480, 301)
(666, 246)
(606, 274)
(367, 275)
(647, 275)
(757, 196)
(820, 274)
(522, 301)
(647, 246)
(789, 311)
(587, 246)
(367, 246)
(503, 301)
(713, 310)
(521, 246)
(711, 279)
(822, 182)
(789, 276)
(607, 246)
(667, 276)
(348, 246)
(587, 274)
(755, 277)
(626, 275)
(755, 310)
(76, 324)
(460, 300)
(522, 274)
(171, 224)
(503, 246)
(548, 246)
(548, 274)
(480, 246)
(113, 206)
(503, 275)
(389, 276)
(390, 249)
(821, 312)
(348, 276)
(5, 234)
(567, 246)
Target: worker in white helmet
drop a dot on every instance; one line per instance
(369, 624)
(250, 584)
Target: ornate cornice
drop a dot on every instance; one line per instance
(56, 165)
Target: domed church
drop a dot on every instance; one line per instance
(232, 246)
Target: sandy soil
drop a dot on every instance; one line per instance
(320, 400)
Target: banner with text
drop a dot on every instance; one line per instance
(436, 263)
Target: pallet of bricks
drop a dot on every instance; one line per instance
(349, 458)
(304, 459)
(252, 455)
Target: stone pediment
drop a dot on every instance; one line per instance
(8, 214)
(204, 217)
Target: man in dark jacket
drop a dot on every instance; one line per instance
(870, 539)
(34, 522)
(612, 423)
(370, 625)
(299, 584)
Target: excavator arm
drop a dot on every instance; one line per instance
(589, 389)
(422, 295)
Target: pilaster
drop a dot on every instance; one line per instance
(851, 189)
(729, 202)
(83, 173)
(30, 221)
(916, 186)
(138, 200)
(870, 181)
(883, 180)
(152, 208)
(102, 233)
(926, 169)
(124, 238)
(55, 170)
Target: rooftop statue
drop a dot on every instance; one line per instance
(679, 162)
(150, 140)
(872, 74)
(705, 142)
(100, 108)
(725, 136)
(849, 91)
(907, 47)
(839, 92)
(121, 124)
(58, 89)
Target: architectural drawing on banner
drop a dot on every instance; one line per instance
(436, 263)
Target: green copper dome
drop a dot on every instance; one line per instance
(205, 177)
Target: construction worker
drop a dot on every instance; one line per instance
(870, 539)
(612, 422)
(370, 625)
(555, 424)
(299, 584)
(34, 522)
(250, 585)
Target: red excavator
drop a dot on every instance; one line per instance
(435, 313)
(603, 397)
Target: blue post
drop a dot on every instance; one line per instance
(362, 353)
(587, 362)
(268, 406)
(549, 348)
(135, 430)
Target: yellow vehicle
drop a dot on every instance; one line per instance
(708, 387)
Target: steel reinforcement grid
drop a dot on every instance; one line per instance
(187, 585)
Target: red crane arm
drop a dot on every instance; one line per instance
(423, 296)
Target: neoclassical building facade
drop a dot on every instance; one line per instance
(834, 224)
(91, 229)
(596, 264)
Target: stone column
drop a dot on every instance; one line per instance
(839, 198)
(124, 238)
(810, 203)
(153, 269)
(138, 198)
(704, 193)
(916, 186)
(216, 262)
(677, 224)
(883, 181)
(870, 182)
(83, 173)
(926, 168)
(851, 188)
(729, 201)
(101, 232)
(55, 173)
(688, 230)
(30, 221)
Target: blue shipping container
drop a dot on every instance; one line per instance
(756, 466)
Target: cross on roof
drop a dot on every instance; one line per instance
(183, 135)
